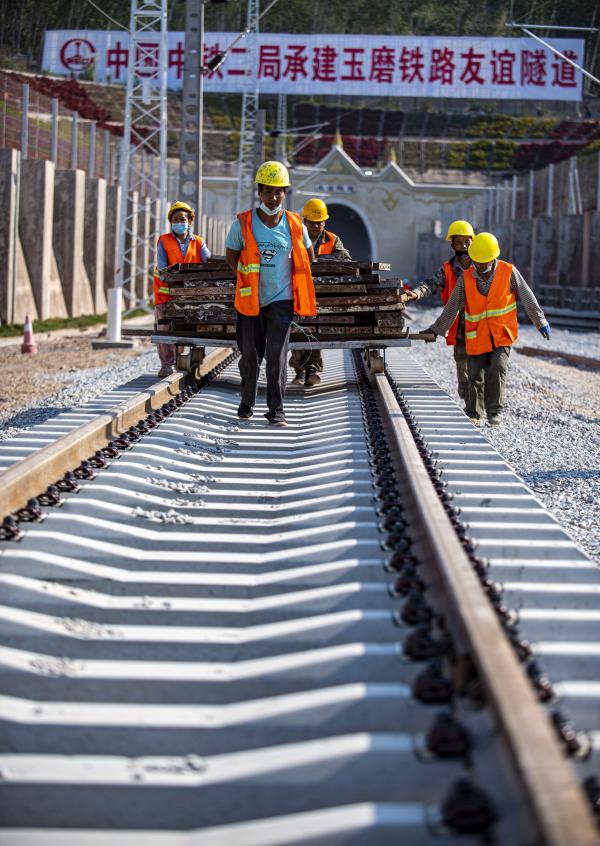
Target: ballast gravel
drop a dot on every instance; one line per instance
(38, 387)
(550, 428)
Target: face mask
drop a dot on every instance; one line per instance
(179, 228)
(271, 212)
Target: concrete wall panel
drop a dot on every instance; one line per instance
(570, 243)
(16, 293)
(545, 253)
(131, 250)
(145, 253)
(520, 254)
(594, 254)
(94, 239)
(24, 299)
(36, 225)
(69, 217)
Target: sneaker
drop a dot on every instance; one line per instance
(244, 411)
(277, 419)
(165, 370)
(299, 379)
(494, 420)
(312, 379)
(476, 421)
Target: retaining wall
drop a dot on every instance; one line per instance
(59, 235)
(561, 251)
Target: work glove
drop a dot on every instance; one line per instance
(545, 330)
(430, 332)
(407, 296)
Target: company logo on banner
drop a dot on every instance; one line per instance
(376, 65)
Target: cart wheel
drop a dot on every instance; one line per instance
(375, 361)
(184, 362)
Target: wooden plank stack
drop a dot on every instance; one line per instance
(354, 302)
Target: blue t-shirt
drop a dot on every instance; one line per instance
(161, 253)
(275, 246)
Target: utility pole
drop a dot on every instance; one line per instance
(281, 142)
(145, 129)
(192, 118)
(249, 111)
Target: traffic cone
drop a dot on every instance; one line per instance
(29, 345)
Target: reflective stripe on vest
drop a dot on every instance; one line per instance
(326, 248)
(247, 289)
(193, 255)
(491, 312)
(490, 320)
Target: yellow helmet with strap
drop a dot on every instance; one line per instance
(484, 247)
(315, 210)
(460, 227)
(179, 205)
(274, 174)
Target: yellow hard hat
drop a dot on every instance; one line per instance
(315, 210)
(484, 247)
(274, 174)
(179, 205)
(460, 227)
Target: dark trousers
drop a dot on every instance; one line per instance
(487, 378)
(460, 359)
(267, 333)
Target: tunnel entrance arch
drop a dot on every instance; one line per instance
(353, 227)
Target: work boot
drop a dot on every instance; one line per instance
(312, 378)
(299, 378)
(476, 421)
(165, 371)
(244, 411)
(494, 420)
(277, 418)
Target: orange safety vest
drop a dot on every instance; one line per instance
(174, 256)
(493, 317)
(445, 296)
(248, 270)
(326, 248)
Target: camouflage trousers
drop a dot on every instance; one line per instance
(307, 359)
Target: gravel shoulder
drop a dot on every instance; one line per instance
(550, 430)
(63, 374)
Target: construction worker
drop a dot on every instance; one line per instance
(309, 363)
(460, 234)
(270, 251)
(488, 291)
(179, 246)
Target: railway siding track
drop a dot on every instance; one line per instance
(238, 635)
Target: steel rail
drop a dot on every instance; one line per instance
(31, 476)
(570, 358)
(556, 801)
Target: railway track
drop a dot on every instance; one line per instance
(239, 635)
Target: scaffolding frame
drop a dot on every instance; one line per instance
(144, 137)
(281, 153)
(192, 118)
(250, 101)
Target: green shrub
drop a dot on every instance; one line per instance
(593, 147)
(456, 156)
